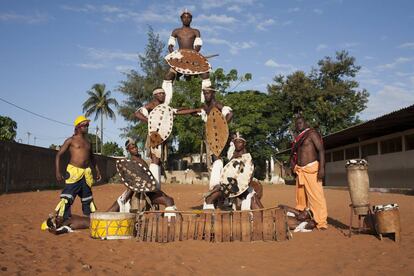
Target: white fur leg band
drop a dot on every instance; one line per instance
(156, 172)
(170, 215)
(198, 42)
(208, 206)
(215, 175)
(171, 41)
(167, 85)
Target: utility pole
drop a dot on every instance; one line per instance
(28, 137)
(35, 140)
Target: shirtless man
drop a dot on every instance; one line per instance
(155, 153)
(209, 94)
(78, 176)
(188, 38)
(248, 200)
(308, 163)
(123, 204)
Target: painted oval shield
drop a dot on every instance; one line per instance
(160, 123)
(188, 62)
(136, 176)
(236, 175)
(217, 131)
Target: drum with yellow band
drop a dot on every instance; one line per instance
(112, 225)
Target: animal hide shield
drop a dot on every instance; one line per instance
(135, 176)
(217, 131)
(236, 175)
(160, 123)
(188, 62)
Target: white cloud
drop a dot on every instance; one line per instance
(388, 99)
(274, 64)
(398, 61)
(35, 18)
(216, 19)
(321, 47)
(264, 24)
(296, 9)
(318, 11)
(90, 65)
(408, 45)
(124, 68)
(234, 47)
(106, 55)
(368, 57)
(349, 45)
(271, 63)
(235, 8)
(213, 4)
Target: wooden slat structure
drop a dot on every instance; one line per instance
(268, 224)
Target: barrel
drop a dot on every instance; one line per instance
(358, 183)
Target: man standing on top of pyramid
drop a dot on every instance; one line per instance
(186, 60)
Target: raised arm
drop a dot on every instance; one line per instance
(61, 151)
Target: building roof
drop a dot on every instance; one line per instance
(396, 121)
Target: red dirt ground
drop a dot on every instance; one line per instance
(26, 250)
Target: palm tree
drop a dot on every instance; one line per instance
(98, 103)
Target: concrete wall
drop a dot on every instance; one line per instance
(391, 170)
(27, 168)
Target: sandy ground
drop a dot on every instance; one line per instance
(26, 250)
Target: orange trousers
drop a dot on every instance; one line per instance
(309, 193)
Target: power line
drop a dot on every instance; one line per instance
(31, 112)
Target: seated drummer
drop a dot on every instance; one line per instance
(123, 203)
(248, 200)
(299, 221)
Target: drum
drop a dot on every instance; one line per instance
(112, 225)
(358, 183)
(387, 220)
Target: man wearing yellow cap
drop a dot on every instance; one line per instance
(78, 176)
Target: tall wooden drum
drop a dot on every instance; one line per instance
(358, 183)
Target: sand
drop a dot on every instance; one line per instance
(26, 250)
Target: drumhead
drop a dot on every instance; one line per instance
(112, 215)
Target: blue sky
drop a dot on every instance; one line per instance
(52, 52)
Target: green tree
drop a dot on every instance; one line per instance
(8, 129)
(112, 149)
(53, 146)
(222, 80)
(94, 140)
(99, 103)
(328, 97)
(255, 119)
(138, 86)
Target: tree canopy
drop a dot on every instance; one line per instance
(112, 149)
(328, 97)
(99, 103)
(8, 129)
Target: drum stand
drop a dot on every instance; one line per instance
(361, 218)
